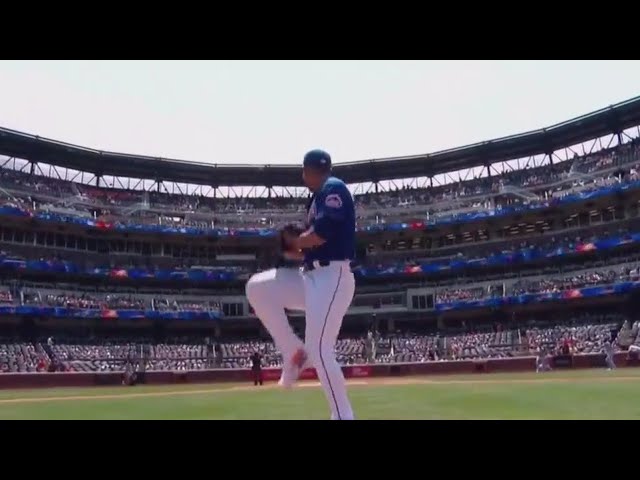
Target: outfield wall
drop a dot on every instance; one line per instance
(520, 364)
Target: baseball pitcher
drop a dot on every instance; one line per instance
(323, 287)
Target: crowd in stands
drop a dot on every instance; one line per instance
(603, 238)
(115, 302)
(178, 350)
(21, 357)
(617, 272)
(607, 158)
(408, 348)
(351, 351)
(499, 344)
(197, 306)
(99, 352)
(489, 192)
(113, 355)
(5, 297)
(630, 334)
(237, 355)
(551, 284)
(549, 244)
(448, 295)
(86, 301)
(191, 305)
(569, 282)
(70, 301)
(168, 268)
(506, 252)
(570, 340)
(574, 335)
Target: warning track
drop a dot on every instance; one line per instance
(354, 383)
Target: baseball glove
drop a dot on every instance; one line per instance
(294, 230)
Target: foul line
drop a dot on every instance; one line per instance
(112, 396)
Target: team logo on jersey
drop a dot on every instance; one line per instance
(333, 201)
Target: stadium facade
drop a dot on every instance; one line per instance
(484, 237)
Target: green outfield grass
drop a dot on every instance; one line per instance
(588, 394)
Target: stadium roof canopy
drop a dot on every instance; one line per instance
(613, 119)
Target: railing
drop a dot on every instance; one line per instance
(518, 192)
(372, 210)
(630, 160)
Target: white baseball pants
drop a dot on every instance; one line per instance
(324, 294)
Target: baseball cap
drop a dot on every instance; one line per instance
(318, 159)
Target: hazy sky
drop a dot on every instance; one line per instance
(274, 111)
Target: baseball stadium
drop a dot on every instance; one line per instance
(498, 280)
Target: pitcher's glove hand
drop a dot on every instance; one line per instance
(288, 233)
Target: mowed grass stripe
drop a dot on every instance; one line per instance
(90, 393)
(469, 400)
(568, 394)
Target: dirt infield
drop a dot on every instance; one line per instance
(543, 379)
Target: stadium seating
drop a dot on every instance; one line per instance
(582, 335)
(616, 165)
(21, 357)
(496, 239)
(6, 298)
(483, 345)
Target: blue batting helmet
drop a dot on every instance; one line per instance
(318, 159)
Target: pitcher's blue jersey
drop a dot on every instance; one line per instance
(333, 217)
